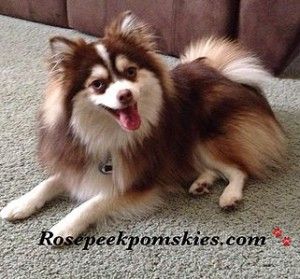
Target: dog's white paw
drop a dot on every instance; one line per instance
(59, 234)
(19, 208)
(62, 230)
(229, 200)
(199, 187)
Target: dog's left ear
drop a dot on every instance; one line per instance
(61, 45)
(128, 27)
(62, 52)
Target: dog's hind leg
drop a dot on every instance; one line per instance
(229, 171)
(233, 192)
(27, 204)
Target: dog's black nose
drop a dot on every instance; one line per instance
(125, 96)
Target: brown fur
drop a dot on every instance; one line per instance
(235, 123)
(232, 122)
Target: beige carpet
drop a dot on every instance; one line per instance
(272, 203)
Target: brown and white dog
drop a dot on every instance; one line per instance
(114, 98)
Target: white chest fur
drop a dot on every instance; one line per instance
(92, 182)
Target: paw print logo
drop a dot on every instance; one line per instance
(286, 241)
(278, 233)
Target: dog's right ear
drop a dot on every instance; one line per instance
(130, 28)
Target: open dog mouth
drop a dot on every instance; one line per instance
(128, 117)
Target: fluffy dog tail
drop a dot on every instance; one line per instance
(254, 139)
(229, 58)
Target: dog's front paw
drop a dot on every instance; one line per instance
(59, 234)
(20, 208)
(62, 231)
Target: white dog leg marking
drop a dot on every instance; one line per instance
(128, 205)
(27, 204)
(233, 193)
(78, 220)
(203, 182)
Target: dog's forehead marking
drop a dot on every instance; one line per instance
(99, 71)
(103, 53)
(122, 62)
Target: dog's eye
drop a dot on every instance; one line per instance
(131, 72)
(98, 85)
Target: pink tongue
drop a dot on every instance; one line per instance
(129, 118)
